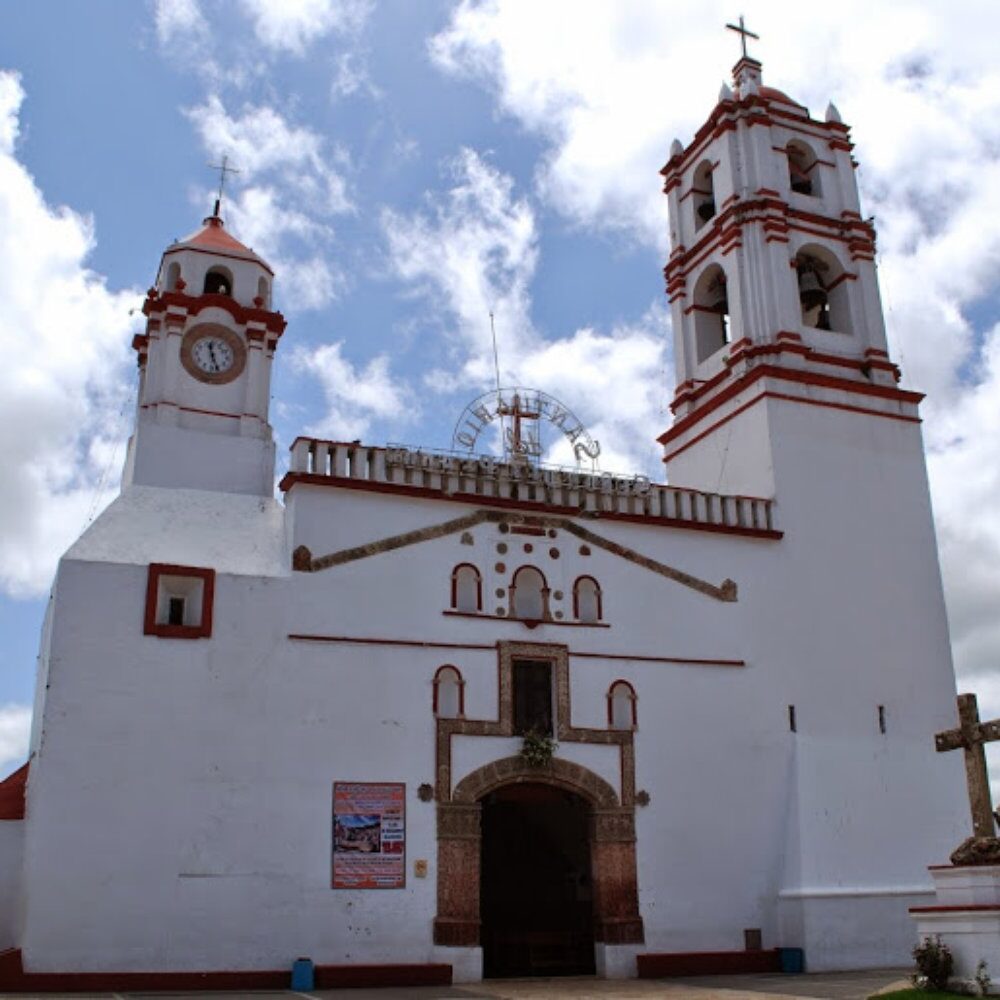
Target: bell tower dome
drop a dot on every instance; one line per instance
(205, 369)
(772, 284)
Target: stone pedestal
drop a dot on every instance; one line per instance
(966, 916)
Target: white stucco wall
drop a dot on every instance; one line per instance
(199, 773)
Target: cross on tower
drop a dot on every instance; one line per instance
(971, 736)
(744, 34)
(223, 169)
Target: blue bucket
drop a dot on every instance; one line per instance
(303, 974)
(792, 960)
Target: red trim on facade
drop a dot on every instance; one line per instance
(14, 978)
(12, 790)
(203, 629)
(791, 375)
(535, 506)
(421, 644)
(530, 622)
(706, 963)
(461, 688)
(968, 908)
(576, 597)
(790, 399)
(479, 585)
(633, 700)
(162, 301)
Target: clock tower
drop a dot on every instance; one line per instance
(205, 369)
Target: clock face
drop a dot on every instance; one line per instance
(211, 353)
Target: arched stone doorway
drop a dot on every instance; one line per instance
(536, 888)
(610, 834)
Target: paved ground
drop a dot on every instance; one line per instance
(824, 986)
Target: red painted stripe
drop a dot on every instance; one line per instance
(14, 978)
(707, 963)
(368, 641)
(790, 399)
(970, 908)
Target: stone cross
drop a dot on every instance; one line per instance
(971, 736)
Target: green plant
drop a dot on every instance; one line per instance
(934, 963)
(537, 750)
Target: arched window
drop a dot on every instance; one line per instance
(529, 595)
(466, 588)
(711, 313)
(173, 276)
(823, 290)
(263, 293)
(703, 194)
(803, 173)
(622, 706)
(587, 600)
(218, 281)
(449, 693)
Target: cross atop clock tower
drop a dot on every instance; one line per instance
(205, 369)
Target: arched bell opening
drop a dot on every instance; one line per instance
(173, 276)
(823, 290)
(803, 169)
(218, 281)
(711, 313)
(703, 194)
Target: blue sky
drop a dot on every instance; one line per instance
(409, 167)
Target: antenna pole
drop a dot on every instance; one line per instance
(496, 370)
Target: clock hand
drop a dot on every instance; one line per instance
(211, 352)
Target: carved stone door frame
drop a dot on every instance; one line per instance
(459, 810)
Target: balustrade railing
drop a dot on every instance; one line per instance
(483, 476)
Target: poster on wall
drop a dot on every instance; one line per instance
(369, 835)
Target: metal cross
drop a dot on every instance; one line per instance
(223, 169)
(522, 444)
(744, 34)
(971, 736)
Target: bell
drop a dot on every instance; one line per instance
(811, 291)
(706, 210)
(719, 302)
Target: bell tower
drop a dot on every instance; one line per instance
(772, 286)
(205, 369)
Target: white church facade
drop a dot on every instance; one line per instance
(267, 729)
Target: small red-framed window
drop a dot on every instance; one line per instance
(449, 692)
(466, 588)
(587, 604)
(622, 702)
(179, 601)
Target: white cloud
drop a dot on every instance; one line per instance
(183, 18)
(354, 396)
(15, 728)
(474, 250)
(285, 196)
(351, 77)
(66, 376)
(292, 25)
